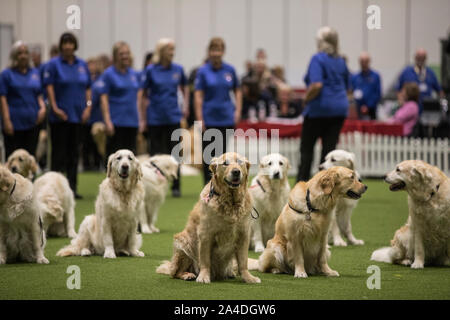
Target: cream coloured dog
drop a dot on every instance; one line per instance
(216, 234)
(56, 204)
(270, 191)
(157, 173)
(23, 163)
(112, 229)
(299, 246)
(425, 239)
(341, 223)
(22, 237)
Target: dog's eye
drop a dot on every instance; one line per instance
(333, 160)
(226, 163)
(359, 179)
(270, 163)
(398, 169)
(130, 158)
(239, 161)
(281, 163)
(119, 158)
(20, 159)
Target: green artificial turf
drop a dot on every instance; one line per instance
(379, 213)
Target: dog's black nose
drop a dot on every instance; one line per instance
(365, 187)
(276, 175)
(385, 177)
(321, 167)
(235, 172)
(14, 169)
(125, 167)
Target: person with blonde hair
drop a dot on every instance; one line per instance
(22, 104)
(164, 80)
(326, 103)
(120, 95)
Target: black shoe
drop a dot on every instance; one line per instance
(176, 193)
(78, 196)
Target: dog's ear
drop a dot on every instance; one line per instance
(213, 165)
(5, 181)
(351, 161)
(8, 162)
(138, 173)
(288, 164)
(33, 164)
(327, 182)
(108, 168)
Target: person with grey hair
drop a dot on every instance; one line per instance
(22, 105)
(326, 103)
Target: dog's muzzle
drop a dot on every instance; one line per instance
(276, 175)
(354, 195)
(235, 178)
(397, 186)
(124, 171)
(14, 169)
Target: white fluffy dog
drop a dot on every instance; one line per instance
(112, 230)
(157, 173)
(270, 192)
(425, 239)
(21, 235)
(56, 204)
(341, 223)
(23, 163)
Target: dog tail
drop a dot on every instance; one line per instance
(252, 264)
(81, 241)
(164, 268)
(386, 254)
(70, 250)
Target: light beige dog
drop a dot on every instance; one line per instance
(23, 163)
(270, 191)
(157, 173)
(425, 239)
(21, 234)
(113, 228)
(56, 204)
(300, 243)
(216, 233)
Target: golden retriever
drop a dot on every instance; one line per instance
(56, 204)
(112, 229)
(21, 234)
(341, 223)
(300, 243)
(157, 173)
(23, 163)
(270, 191)
(216, 234)
(425, 239)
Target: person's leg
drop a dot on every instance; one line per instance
(128, 139)
(373, 113)
(310, 132)
(59, 138)
(176, 190)
(155, 141)
(330, 135)
(73, 147)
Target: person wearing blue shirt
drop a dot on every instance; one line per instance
(422, 75)
(120, 95)
(214, 82)
(366, 86)
(328, 81)
(67, 80)
(22, 105)
(163, 80)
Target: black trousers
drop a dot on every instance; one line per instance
(160, 142)
(21, 139)
(90, 155)
(216, 153)
(123, 138)
(66, 139)
(313, 128)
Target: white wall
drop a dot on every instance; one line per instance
(285, 28)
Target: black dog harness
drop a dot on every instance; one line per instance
(13, 188)
(260, 185)
(308, 204)
(158, 169)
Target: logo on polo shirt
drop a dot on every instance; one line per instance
(176, 76)
(34, 76)
(228, 77)
(81, 69)
(46, 74)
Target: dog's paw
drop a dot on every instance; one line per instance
(146, 229)
(332, 273)
(85, 252)
(251, 279)
(406, 262)
(154, 229)
(203, 278)
(357, 242)
(259, 247)
(72, 234)
(300, 274)
(138, 253)
(187, 276)
(417, 265)
(42, 260)
(275, 271)
(339, 242)
(109, 254)
(2, 260)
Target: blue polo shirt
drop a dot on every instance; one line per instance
(21, 91)
(367, 88)
(332, 100)
(70, 83)
(96, 111)
(216, 84)
(163, 83)
(122, 89)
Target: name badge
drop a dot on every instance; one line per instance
(358, 94)
(423, 87)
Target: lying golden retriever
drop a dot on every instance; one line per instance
(113, 228)
(300, 243)
(21, 234)
(23, 163)
(216, 233)
(425, 239)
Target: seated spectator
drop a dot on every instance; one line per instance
(288, 108)
(408, 113)
(366, 87)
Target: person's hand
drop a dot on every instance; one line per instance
(364, 109)
(86, 115)
(186, 113)
(60, 114)
(142, 126)
(109, 128)
(40, 115)
(8, 127)
(237, 117)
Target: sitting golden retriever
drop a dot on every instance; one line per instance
(300, 243)
(23, 163)
(21, 234)
(217, 230)
(425, 239)
(113, 228)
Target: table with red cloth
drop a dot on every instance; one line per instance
(292, 129)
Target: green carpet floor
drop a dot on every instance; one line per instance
(379, 213)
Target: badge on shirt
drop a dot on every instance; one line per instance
(81, 69)
(46, 74)
(34, 76)
(423, 87)
(228, 77)
(176, 76)
(358, 94)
